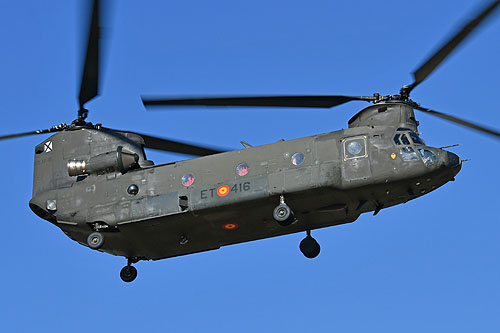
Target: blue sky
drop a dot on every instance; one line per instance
(431, 264)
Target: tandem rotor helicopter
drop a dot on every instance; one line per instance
(96, 184)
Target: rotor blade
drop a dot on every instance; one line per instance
(50, 130)
(89, 87)
(273, 101)
(459, 121)
(157, 143)
(428, 67)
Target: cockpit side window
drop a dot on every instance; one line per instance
(396, 139)
(404, 138)
(401, 139)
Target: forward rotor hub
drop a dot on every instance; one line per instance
(82, 114)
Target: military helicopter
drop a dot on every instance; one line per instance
(96, 184)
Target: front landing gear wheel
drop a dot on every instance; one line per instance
(95, 240)
(309, 246)
(283, 215)
(128, 273)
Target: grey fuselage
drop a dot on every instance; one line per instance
(228, 198)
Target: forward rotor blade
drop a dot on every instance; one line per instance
(19, 135)
(89, 87)
(162, 144)
(459, 121)
(428, 67)
(273, 101)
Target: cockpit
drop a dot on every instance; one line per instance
(412, 147)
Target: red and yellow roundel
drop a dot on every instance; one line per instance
(230, 226)
(223, 190)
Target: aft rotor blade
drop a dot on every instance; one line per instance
(153, 142)
(89, 87)
(19, 135)
(272, 101)
(459, 121)
(428, 67)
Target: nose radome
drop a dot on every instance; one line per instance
(453, 159)
(454, 162)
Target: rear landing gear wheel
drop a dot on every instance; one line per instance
(283, 215)
(128, 273)
(95, 240)
(309, 246)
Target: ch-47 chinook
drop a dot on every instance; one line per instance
(98, 187)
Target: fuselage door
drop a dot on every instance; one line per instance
(355, 164)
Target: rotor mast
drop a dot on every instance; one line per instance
(89, 87)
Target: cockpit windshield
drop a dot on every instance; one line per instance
(409, 141)
(416, 139)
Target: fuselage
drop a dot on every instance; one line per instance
(159, 211)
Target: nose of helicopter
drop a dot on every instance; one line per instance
(453, 162)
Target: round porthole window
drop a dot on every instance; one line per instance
(242, 169)
(187, 179)
(354, 147)
(297, 158)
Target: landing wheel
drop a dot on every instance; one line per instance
(309, 247)
(283, 215)
(95, 240)
(128, 273)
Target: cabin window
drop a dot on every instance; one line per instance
(242, 169)
(297, 159)
(187, 179)
(355, 148)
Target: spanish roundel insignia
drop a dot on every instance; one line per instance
(230, 226)
(223, 190)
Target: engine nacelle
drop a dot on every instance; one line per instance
(120, 160)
